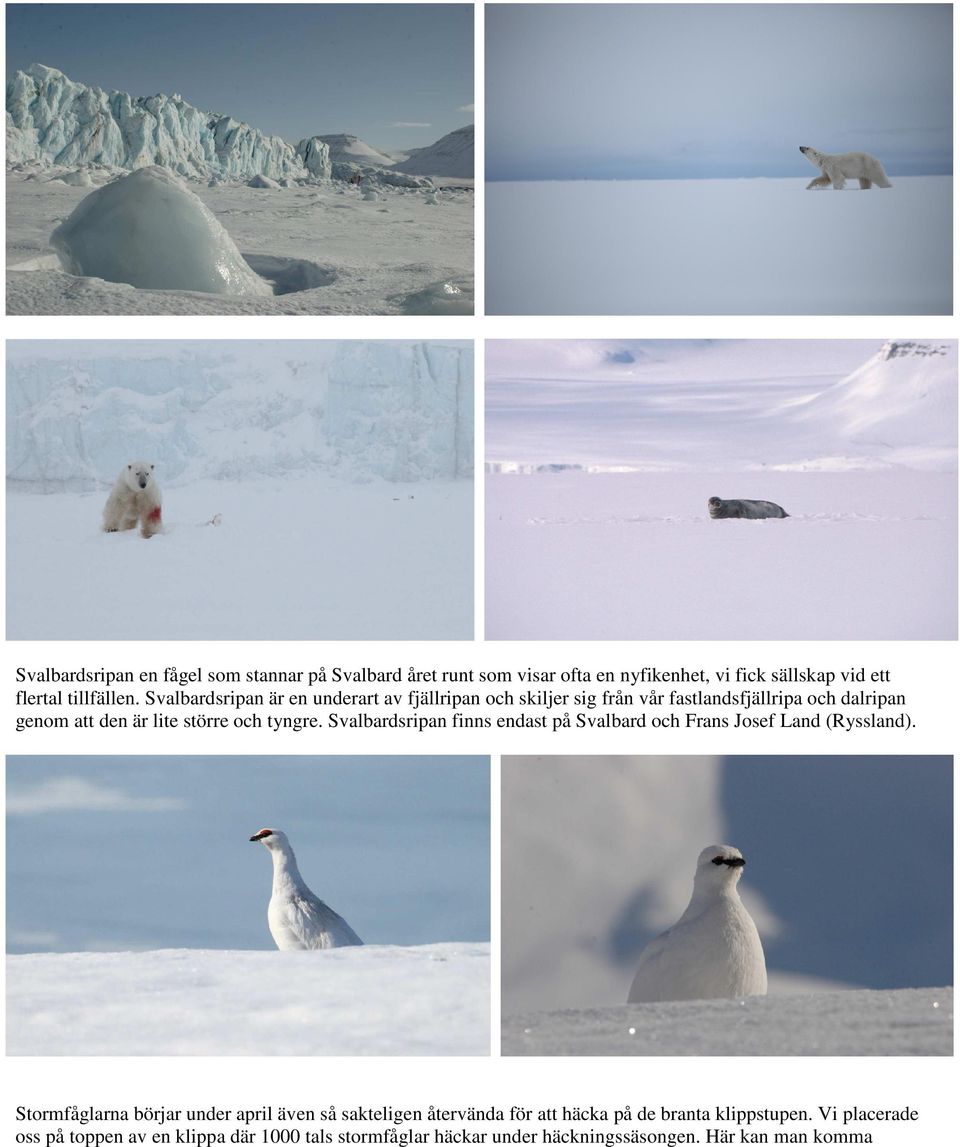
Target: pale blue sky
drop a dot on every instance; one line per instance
(645, 91)
(396, 75)
(117, 853)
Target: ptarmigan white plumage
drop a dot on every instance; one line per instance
(298, 919)
(713, 951)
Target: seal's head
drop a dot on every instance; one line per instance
(715, 506)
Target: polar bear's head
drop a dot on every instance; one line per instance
(138, 475)
(815, 157)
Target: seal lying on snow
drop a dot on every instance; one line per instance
(744, 508)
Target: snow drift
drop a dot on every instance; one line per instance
(376, 1000)
(149, 230)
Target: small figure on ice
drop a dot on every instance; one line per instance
(836, 169)
(744, 508)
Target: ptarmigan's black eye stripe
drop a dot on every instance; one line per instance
(733, 861)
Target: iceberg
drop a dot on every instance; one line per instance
(149, 230)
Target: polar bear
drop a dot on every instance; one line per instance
(135, 497)
(847, 165)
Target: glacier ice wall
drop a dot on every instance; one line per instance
(403, 419)
(50, 118)
(229, 411)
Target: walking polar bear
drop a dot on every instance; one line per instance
(847, 165)
(135, 497)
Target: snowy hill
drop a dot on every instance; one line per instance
(906, 1022)
(722, 405)
(349, 149)
(375, 1000)
(51, 119)
(905, 395)
(451, 156)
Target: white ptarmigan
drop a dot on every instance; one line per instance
(713, 951)
(298, 919)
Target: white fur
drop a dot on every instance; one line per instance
(846, 165)
(135, 497)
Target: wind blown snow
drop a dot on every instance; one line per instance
(345, 483)
(432, 999)
(597, 524)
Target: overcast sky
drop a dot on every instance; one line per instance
(120, 853)
(396, 75)
(699, 91)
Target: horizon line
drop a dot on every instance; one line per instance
(677, 178)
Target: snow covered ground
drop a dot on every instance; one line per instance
(311, 490)
(906, 1022)
(736, 246)
(298, 559)
(599, 472)
(324, 247)
(376, 1000)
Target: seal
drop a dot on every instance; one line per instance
(744, 508)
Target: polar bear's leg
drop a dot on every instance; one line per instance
(820, 181)
(118, 515)
(150, 522)
(865, 183)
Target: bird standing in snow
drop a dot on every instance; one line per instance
(298, 919)
(713, 951)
